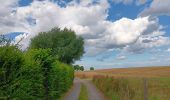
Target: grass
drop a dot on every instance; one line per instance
(133, 88)
(83, 93)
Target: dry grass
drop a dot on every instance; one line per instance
(133, 88)
(127, 72)
(128, 84)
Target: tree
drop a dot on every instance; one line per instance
(78, 68)
(65, 45)
(82, 68)
(91, 68)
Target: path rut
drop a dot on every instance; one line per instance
(93, 92)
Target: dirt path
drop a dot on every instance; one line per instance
(93, 92)
(75, 91)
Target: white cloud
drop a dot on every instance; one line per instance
(87, 20)
(127, 2)
(82, 18)
(140, 2)
(8, 20)
(168, 59)
(168, 49)
(123, 1)
(121, 58)
(131, 35)
(147, 42)
(157, 7)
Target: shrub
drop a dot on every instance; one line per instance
(54, 78)
(61, 79)
(33, 75)
(32, 79)
(11, 62)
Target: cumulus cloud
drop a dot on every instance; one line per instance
(131, 35)
(83, 18)
(123, 1)
(140, 2)
(121, 58)
(8, 20)
(168, 50)
(127, 2)
(147, 42)
(87, 19)
(157, 7)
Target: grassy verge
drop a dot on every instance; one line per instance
(133, 88)
(83, 93)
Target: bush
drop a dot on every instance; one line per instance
(53, 78)
(32, 79)
(61, 79)
(11, 62)
(34, 75)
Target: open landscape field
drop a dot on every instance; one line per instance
(147, 83)
(163, 71)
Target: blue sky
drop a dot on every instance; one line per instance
(117, 33)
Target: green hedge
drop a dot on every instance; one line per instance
(34, 75)
(11, 61)
(61, 78)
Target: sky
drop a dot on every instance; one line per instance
(117, 33)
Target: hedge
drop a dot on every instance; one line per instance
(34, 75)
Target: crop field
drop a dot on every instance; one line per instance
(147, 83)
(149, 72)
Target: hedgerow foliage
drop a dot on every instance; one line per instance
(11, 61)
(32, 75)
(39, 73)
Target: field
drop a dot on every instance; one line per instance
(128, 72)
(145, 83)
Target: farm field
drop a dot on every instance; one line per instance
(128, 72)
(150, 83)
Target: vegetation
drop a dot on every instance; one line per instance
(83, 93)
(36, 74)
(78, 68)
(133, 88)
(148, 72)
(64, 44)
(32, 75)
(115, 82)
(11, 62)
(91, 68)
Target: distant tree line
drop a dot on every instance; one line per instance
(81, 68)
(91, 68)
(78, 68)
(44, 70)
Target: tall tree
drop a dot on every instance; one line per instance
(65, 45)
